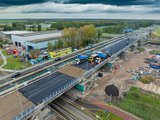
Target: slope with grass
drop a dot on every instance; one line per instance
(15, 64)
(144, 105)
(107, 115)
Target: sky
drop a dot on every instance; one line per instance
(97, 9)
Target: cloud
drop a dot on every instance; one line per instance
(51, 7)
(20, 2)
(80, 8)
(112, 2)
(109, 2)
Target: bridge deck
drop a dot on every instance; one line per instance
(45, 87)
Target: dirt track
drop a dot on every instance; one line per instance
(119, 76)
(10, 105)
(72, 71)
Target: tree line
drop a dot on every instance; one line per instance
(77, 37)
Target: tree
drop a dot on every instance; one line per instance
(32, 54)
(83, 36)
(99, 33)
(39, 27)
(87, 34)
(69, 35)
(59, 44)
(50, 46)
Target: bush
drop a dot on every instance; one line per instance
(146, 79)
(141, 49)
(154, 52)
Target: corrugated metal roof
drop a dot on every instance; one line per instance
(44, 39)
(39, 33)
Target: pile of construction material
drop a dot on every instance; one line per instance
(143, 71)
(153, 61)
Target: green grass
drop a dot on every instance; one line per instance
(153, 52)
(110, 116)
(157, 31)
(5, 54)
(10, 21)
(141, 49)
(114, 117)
(143, 105)
(1, 62)
(15, 64)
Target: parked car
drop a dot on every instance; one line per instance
(57, 59)
(16, 75)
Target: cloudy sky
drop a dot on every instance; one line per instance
(106, 9)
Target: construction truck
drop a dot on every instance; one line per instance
(81, 58)
(97, 57)
(92, 58)
(102, 55)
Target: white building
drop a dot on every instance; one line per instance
(38, 40)
(15, 32)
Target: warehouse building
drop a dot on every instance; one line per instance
(38, 40)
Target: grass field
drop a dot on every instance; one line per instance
(5, 54)
(15, 64)
(143, 105)
(10, 21)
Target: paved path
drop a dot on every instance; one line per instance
(4, 63)
(4, 59)
(149, 87)
(117, 111)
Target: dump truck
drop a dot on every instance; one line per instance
(102, 55)
(97, 57)
(92, 58)
(81, 58)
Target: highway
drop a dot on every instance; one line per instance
(42, 67)
(43, 70)
(71, 110)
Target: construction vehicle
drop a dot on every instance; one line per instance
(102, 55)
(97, 57)
(60, 53)
(98, 60)
(92, 58)
(81, 58)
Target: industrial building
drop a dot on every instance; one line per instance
(37, 40)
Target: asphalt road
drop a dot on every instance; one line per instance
(40, 66)
(52, 62)
(30, 77)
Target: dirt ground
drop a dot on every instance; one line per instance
(10, 105)
(118, 77)
(72, 71)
